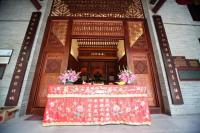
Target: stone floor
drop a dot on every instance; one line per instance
(160, 124)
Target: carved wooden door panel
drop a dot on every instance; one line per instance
(53, 64)
(141, 61)
(140, 65)
(52, 61)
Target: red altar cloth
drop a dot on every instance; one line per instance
(96, 105)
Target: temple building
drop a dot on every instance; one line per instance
(158, 40)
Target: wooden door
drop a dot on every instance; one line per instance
(140, 65)
(52, 61)
(53, 64)
(141, 61)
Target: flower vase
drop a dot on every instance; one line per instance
(128, 82)
(69, 82)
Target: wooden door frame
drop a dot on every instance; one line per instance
(155, 71)
(37, 75)
(151, 57)
(37, 71)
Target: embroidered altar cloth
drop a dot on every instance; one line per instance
(96, 105)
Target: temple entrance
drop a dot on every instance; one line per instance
(98, 59)
(94, 47)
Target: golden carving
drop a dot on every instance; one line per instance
(20, 64)
(58, 33)
(135, 31)
(174, 83)
(177, 97)
(15, 83)
(19, 70)
(17, 77)
(11, 98)
(28, 38)
(97, 43)
(98, 8)
(13, 90)
(98, 28)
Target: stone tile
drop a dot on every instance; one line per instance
(160, 124)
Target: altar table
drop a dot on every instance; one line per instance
(96, 105)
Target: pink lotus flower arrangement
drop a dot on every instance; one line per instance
(69, 76)
(126, 76)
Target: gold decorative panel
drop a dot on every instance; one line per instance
(57, 34)
(98, 8)
(98, 28)
(135, 30)
(98, 43)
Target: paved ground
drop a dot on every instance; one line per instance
(160, 124)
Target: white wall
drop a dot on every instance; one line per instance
(14, 20)
(26, 88)
(182, 33)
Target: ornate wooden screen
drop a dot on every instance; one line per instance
(98, 8)
(89, 35)
(51, 63)
(141, 60)
(98, 28)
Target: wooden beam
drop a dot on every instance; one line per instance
(158, 5)
(172, 78)
(153, 2)
(36, 4)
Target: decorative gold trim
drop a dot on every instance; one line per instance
(98, 28)
(135, 32)
(65, 8)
